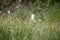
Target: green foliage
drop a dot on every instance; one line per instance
(18, 25)
(6, 3)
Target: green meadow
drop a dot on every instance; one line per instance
(19, 26)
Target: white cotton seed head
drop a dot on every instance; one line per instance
(32, 17)
(8, 11)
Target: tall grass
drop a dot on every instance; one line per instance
(18, 26)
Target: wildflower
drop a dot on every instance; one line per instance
(33, 17)
(39, 20)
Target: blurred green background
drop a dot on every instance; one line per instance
(19, 26)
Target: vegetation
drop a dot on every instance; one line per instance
(19, 26)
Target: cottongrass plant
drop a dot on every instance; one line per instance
(32, 17)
